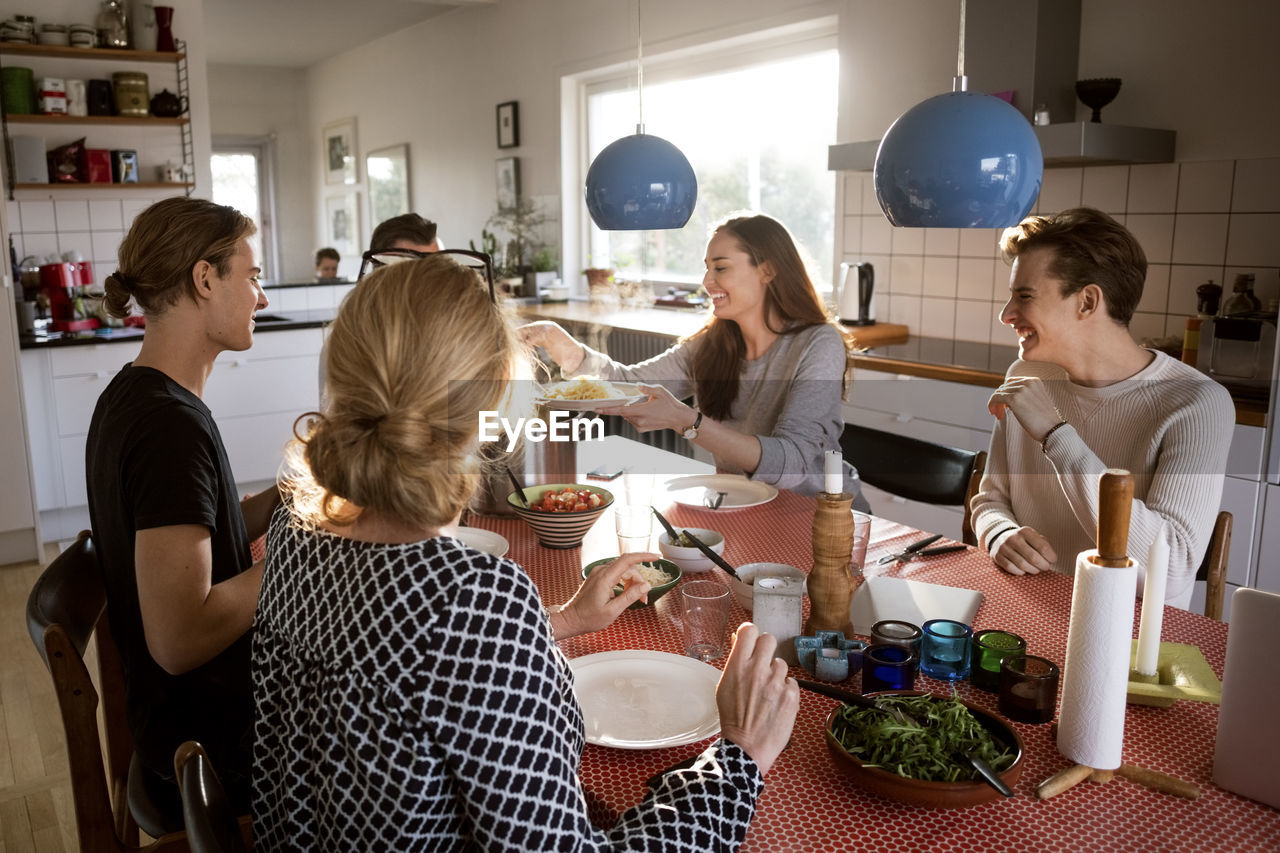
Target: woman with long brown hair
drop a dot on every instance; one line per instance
(766, 372)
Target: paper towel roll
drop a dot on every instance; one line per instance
(1095, 677)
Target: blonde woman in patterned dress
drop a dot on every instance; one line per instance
(409, 693)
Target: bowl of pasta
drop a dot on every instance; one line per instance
(662, 575)
(561, 513)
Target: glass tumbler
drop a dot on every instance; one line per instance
(1028, 689)
(861, 536)
(944, 651)
(886, 667)
(894, 632)
(634, 525)
(989, 648)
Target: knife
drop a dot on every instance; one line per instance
(910, 549)
(931, 552)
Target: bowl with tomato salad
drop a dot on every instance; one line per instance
(561, 513)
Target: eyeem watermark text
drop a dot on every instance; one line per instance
(562, 426)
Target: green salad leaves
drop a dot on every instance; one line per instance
(934, 751)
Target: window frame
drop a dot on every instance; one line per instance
(262, 148)
(663, 63)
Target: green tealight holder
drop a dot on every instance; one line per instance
(1181, 673)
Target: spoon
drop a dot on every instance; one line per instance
(711, 555)
(519, 488)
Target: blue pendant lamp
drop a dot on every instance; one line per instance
(959, 160)
(640, 182)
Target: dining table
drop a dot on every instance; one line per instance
(807, 803)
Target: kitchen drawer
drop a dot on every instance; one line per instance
(74, 491)
(1244, 459)
(98, 359)
(281, 344)
(74, 399)
(949, 402)
(885, 392)
(255, 444)
(46, 464)
(1268, 575)
(256, 386)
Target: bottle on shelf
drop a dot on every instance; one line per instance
(1242, 300)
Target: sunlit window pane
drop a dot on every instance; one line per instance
(757, 139)
(236, 184)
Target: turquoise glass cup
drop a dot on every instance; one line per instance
(944, 650)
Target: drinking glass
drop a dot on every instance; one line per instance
(704, 611)
(861, 536)
(944, 652)
(634, 525)
(895, 632)
(886, 667)
(1028, 689)
(989, 648)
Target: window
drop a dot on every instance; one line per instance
(755, 123)
(241, 179)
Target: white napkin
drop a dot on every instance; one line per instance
(1095, 677)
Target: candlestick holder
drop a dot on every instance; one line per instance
(831, 583)
(1181, 673)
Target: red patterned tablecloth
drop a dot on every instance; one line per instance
(808, 806)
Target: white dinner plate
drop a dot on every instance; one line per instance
(483, 540)
(700, 491)
(629, 393)
(638, 699)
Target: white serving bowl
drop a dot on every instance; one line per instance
(742, 589)
(691, 559)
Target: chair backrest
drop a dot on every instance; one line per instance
(915, 469)
(66, 608)
(212, 825)
(1213, 569)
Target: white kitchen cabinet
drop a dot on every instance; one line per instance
(255, 397)
(1268, 575)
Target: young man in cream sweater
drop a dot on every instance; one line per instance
(1085, 397)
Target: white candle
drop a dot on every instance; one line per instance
(1153, 605)
(834, 472)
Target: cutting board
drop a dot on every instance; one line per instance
(910, 601)
(880, 334)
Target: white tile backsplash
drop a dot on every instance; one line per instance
(1059, 190)
(1147, 326)
(980, 242)
(942, 241)
(1106, 188)
(877, 235)
(940, 277)
(908, 241)
(106, 245)
(1200, 238)
(37, 216)
(1183, 281)
(1205, 187)
(104, 214)
(906, 275)
(1155, 292)
(76, 241)
(904, 309)
(852, 240)
(1153, 188)
(937, 317)
(1257, 186)
(1253, 239)
(71, 215)
(972, 320)
(1155, 234)
(973, 278)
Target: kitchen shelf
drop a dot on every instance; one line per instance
(40, 118)
(76, 185)
(59, 52)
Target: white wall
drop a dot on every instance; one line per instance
(260, 101)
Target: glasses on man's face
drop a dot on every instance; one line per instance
(478, 261)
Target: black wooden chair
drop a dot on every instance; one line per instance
(915, 469)
(66, 608)
(212, 825)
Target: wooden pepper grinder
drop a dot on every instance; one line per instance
(831, 583)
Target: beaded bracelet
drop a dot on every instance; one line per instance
(1044, 442)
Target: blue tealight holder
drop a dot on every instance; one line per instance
(828, 656)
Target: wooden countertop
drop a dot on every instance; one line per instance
(892, 351)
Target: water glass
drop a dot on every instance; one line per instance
(861, 536)
(1028, 689)
(944, 652)
(886, 667)
(634, 525)
(704, 612)
(989, 648)
(895, 632)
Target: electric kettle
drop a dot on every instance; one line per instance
(855, 302)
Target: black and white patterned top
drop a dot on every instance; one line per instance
(412, 697)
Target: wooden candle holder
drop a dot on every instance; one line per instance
(831, 583)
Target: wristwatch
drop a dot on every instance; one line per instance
(691, 432)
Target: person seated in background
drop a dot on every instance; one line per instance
(767, 371)
(407, 235)
(172, 535)
(1084, 398)
(327, 261)
(408, 689)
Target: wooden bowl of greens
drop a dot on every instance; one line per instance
(923, 765)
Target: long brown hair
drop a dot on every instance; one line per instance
(790, 301)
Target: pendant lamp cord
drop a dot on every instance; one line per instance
(961, 83)
(639, 72)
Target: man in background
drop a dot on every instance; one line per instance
(407, 231)
(327, 263)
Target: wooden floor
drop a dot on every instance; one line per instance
(35, 785)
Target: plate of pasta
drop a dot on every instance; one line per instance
(589, 393)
